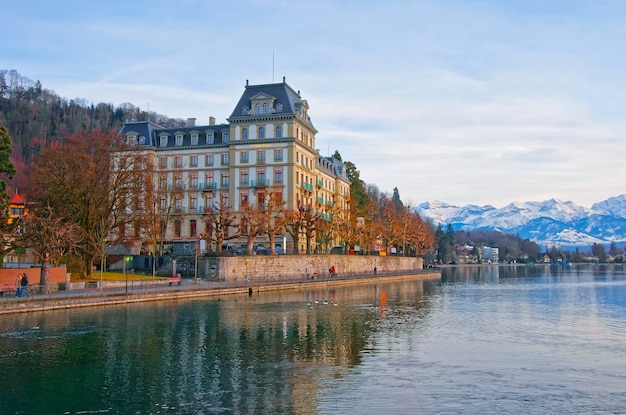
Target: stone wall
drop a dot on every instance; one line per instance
(300, 267)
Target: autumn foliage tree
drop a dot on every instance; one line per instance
(83, 184)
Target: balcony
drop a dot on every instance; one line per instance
(320, 200)
(320, 183)
(259, 183)
(207, 186)
(329, 203)
(179, 210)
(307, 186)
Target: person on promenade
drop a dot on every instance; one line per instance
(25, 285)
(18, 285)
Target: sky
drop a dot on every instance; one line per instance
(461, 101)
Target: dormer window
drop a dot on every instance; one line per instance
(225, 137)
(163, 142)
(210, 139)
(131, 139)
(194, 139)
(257, 108)
(179, 139)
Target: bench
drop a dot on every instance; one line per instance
(6, 289)
(173, 280)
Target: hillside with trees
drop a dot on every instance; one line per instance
(37, 117)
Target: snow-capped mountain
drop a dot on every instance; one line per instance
(551, 222)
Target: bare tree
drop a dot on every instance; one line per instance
(220, 224)
(50, 237)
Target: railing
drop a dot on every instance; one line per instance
(320, 200)
(307, 186)
(207, 186)
(259, 183)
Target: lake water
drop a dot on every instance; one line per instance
(482, 340)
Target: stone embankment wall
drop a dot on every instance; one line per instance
(301, 267)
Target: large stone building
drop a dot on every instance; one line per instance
(267, 146)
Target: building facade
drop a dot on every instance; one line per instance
(267, 147)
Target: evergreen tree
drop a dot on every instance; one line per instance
(396, 199)
(6, 169)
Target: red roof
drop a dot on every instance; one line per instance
(16, 198)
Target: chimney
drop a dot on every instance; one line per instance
(211, 120)
(191, 122)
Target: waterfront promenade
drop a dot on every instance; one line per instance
(93, 295)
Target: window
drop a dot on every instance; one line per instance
(209, 200)
(278, 154)
(225, 159)
(194, 139)
(225, 137)
(243, 157)
(210, 139)
(260, 155)
(243, 177)
(179, 139)
(244, 133)
(279, 131)
(208, 160)
(162, 203)
(178, 204)
(257, 108)
(193, 161)
(225, 199)
(178, 181)
(177, 228)
(193, 181)
(193, 201)
(192, 228)
(244, 199)
(278, 175)
(260, 199)
(225, 180)
(260, 176)
(163, 162)
(209, 179)
(261, 132)
(178, 161)
(163, 182)
(266, 108)
(163, 141)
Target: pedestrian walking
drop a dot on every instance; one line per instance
(25, 285)
(18, 285)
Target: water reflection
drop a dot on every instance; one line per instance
(487, 340)
(262, 354)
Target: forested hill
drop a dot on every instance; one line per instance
(36, 117)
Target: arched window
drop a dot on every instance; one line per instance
(279, 131)
(261, 132)
(244, 134)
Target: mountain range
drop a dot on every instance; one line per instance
(551, 222)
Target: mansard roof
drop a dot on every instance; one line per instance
(153, 133)
(333, 166)
(142, 129)
(284, 101)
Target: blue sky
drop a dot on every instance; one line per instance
(468, 102)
